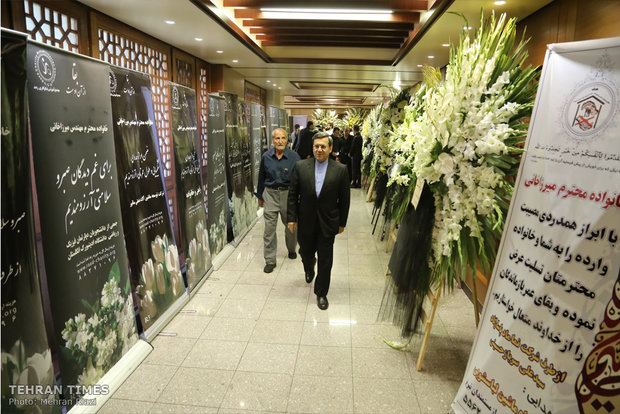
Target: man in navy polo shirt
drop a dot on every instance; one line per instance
(274, 178)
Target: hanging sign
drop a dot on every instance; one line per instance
(549, 334)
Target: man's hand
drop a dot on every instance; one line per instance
(340, 229)
(261, 203)
(292, 226)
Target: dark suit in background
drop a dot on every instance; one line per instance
(356, 160)
(304, 146)
(318, 218)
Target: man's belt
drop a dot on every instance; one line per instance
(279, 187)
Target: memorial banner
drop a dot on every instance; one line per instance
(256, 137)
(549, 334)
(241, 200)
(216, 176)
(283, 116)
(191, 208)
(153, 256)
(26, 356)
(274, 123)
(81, 223)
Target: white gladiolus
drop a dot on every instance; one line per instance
(157, 247)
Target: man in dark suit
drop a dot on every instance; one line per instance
(356, 158)
(304, 144)
(318, 199)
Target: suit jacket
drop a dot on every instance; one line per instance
(328, 211)
(304, 147)
(356, 147)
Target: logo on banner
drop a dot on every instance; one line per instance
(175, 96)
(589, 109)
(113, 82)
(45, 67)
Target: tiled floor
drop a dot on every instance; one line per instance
(255, 342)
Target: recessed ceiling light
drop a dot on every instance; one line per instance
(445, 44)
(279, 87)
(499, 3)
(219, 51)
(198, 39)
(419, 66)
(275, 84)
(326, 14)
(169, 21)
(268, 81)
(235, 61)
(467, 27)
(431, 57)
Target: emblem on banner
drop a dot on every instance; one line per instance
(175, 96)
(113, 82)
(590, 108)
(45, 67)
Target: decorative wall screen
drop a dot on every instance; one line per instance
(183, 73)
(122, 51)
(51, 26)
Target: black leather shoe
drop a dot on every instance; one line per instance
(309, 276)
(292, 255)
(322, 302)
(269, 268)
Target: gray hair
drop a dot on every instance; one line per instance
(323, 135)
(273, 134)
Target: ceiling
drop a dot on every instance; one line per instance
(308, 62)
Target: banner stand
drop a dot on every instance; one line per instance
(164, 319)
(115, 377)
(202, 281)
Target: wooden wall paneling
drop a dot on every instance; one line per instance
(183, 68)
(7, 14)
(597, 20)
(217, 78)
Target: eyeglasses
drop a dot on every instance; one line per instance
(320, 146)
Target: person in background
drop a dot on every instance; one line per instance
(318, 207)
(338, 140)
(274, 178)
(295, 136)
(356, 158)
(330, 128)
(345, 149)
(304, 144)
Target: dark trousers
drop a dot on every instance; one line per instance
(323, 247)
(346, 160)
(356, 167)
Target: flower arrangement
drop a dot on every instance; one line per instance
(160, 279)
(323, 117)
(198, 258)
(20, 369)
(98, 341)
(467, 144)
(352, 116)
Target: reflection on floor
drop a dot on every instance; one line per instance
(255, 342)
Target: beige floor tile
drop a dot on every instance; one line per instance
(339, 280)
(203, 305)
(437, 365)
(249, 292)
(373, 270)
(367, 297)
(229, 329)
(435, 396)
(371, 336)
(215, 288)
(379, 363)
(336, 313)
(326, 361)
(257, 278)
(269, 358)
(326, 334)
(214, 354)
(367, 282)
(146, 383)
(291, 278)
(240, 308)
(159, 408)
(277, 332)
(364, 314)
(290, 293)
(379, 395)
(197, 386)
(335, 296)
(311, 394)
(256, 392)
(284, 311)
(169, 350)
(116, 405)
(187, 325)
(225, 276)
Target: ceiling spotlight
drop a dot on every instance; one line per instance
(499, 3)
(169, 21)
(419, 66)
(431, 57)
(466, 27)
(235, 61)
(219, 51)
(198, 39)
(445, 44)
(279, 87)
(268, 81)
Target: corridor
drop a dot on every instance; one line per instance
(255, 342)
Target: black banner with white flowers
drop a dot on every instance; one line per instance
(191, 209)
(26, 356)
(153, 257)
(216, 176)
(80, 213)
(256, 136)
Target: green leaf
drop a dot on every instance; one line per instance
(115, 273)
